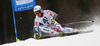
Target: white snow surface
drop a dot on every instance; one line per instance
(86, 39)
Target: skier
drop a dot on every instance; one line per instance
(45, 20)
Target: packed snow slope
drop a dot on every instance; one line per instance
(87, 39)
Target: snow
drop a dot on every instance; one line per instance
(87, 39)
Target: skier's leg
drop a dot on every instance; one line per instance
(47, 30)
(58, 27)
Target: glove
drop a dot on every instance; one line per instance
(52, 22)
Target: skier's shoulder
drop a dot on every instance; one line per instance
(47, 11)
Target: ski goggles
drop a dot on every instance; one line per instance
(37, 12)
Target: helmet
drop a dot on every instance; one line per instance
(38, 8)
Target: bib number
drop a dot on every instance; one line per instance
(45, 20)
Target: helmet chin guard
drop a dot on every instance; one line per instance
(38, 8)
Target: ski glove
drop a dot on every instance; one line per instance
(52, 22)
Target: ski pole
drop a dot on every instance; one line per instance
(39, 31)
(78, 22)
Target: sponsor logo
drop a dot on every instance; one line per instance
(45, 29)
(24, 7)
(18, 0)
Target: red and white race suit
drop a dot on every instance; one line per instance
(46, 20)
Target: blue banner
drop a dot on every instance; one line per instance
(21, 5)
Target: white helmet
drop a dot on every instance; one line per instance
(38, 8)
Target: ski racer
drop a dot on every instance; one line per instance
(45, 22)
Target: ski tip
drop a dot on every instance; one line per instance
(86, 31)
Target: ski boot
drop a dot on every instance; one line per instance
(36, 36)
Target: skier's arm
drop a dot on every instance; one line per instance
(36, 26)
(53, 14)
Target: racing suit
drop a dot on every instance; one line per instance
(47, 23)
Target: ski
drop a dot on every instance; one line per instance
(61, 34)
(48, 36)
(79, 32)
(85, 31)
(78, 22)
